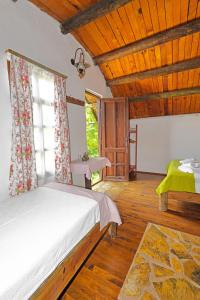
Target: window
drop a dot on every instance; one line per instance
(44, 124)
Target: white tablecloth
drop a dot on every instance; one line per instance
(87, 167)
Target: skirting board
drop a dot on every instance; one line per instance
(151, 173)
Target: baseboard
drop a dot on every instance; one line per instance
(151, 173)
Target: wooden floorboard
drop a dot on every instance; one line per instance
(104, 272)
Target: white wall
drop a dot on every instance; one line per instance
(25, 29)
(161, 139)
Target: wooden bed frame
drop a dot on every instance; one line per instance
(163, 202)
(52, 287)
(163, 199)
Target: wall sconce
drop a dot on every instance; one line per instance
(79, 62)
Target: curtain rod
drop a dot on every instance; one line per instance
(35, 63)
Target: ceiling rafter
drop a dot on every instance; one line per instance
(164, 70)
(151, 41)
(97, 10)
(166, 95)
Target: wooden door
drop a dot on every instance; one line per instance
(115, 137)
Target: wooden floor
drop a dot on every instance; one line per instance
(104, 272)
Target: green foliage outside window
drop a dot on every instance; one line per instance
(92, 137)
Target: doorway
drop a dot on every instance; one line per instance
(92, 129)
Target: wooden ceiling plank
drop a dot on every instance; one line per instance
(117, 26)
(182, 45)
(198, 10)
(147, 17)
(127, 30)
(175, 105)
(128, 35)
(169, 50)
(170, 108)
(148, 42)
(185, 79)
(97, 36)
(193, 5)
(154, 15)
(152, 59)
(91, 48)
(198, 99)
(181, 57)
(125, 65)
(192, 104)
(169, 13)
(196, 104)
(191, 78)
(132, 17)
(106, 71)
(187, 104)
(184, 10)
(164, 70)
(106, 30)
(167, 94)
(194, 51)
(182, 48)
(139, 18)
(179, 105)
(196, 78)
(101, 8)
(176, 12)
(195, 44)
(170, 82)
(161, 14)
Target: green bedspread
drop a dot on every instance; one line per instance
(176, 180)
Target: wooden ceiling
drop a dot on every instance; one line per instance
(132, 22)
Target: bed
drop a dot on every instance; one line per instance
(175, 181)
(45, 235)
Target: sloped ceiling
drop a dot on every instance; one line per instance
(132, 22)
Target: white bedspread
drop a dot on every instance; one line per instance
(187, 167)
(37, 230)
(197, 180)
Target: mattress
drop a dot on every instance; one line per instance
(37, 230)
(176, 180)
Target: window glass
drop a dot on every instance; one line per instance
(44, 124)
(38, 139)
(46, 88)
(49, 141)
(50, 162)
(48, 115)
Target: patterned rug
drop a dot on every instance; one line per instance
(166, 266)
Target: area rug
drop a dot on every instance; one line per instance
(166, 266)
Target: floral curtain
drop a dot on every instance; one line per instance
(23, 166)
(62, 152)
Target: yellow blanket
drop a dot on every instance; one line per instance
(176, 180)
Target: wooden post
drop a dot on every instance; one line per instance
(88, 183)
(163, 202)
(113, 230)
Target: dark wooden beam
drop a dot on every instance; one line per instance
(166, 95)
(97, 10)
(75, 101)
(169, 69)
(152, 41)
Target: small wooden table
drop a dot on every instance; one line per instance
(86, 168)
